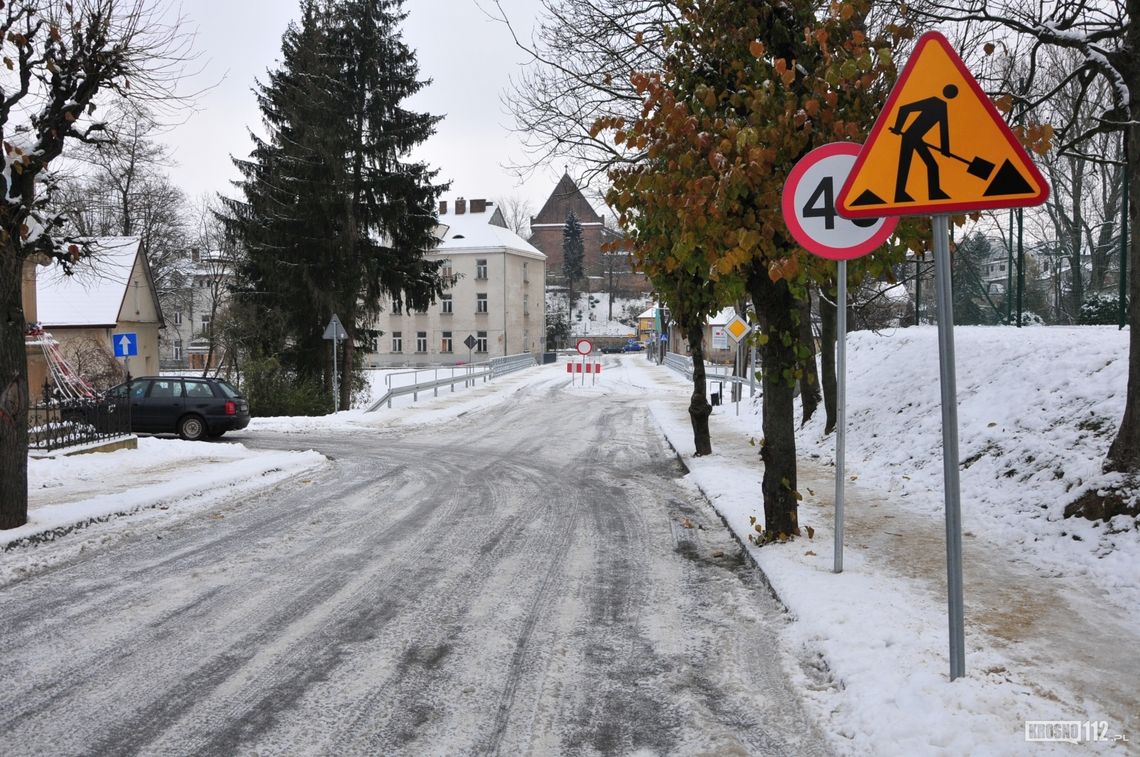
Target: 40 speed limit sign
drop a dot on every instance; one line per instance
(811, 211)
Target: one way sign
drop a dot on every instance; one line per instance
(126, 344)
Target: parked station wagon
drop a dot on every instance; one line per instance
(192, 407)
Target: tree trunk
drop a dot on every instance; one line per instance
(809, 376)
(1124, 454)
(775, 309)
(699, 407)
(828, 328)
(13, 394)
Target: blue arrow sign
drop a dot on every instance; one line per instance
(126, 345)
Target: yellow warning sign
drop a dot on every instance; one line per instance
(939, 146)
(737, 328)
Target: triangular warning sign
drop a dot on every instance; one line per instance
(939, 146)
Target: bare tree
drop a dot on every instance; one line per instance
(516, 214)
(59, 56)
(584, 54)
(1105, 39)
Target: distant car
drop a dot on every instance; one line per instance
(192, 407)
(632, 346)
(610, 349)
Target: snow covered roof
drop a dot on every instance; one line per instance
(473, 232)
(93, 294)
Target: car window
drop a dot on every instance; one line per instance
(138, 389)
(228, 389)
(165, 388)
(199, 389)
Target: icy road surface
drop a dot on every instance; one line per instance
(533, 579)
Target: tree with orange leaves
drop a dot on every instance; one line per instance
(748, 87)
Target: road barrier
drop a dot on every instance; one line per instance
(468, 375)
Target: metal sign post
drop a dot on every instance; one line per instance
(936, 93)
(813, 220)
(840, 412)
(944, 294)
(336, 333)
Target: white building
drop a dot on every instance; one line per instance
(196, 300)
(496, 300)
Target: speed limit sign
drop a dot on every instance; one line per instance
(810, 208)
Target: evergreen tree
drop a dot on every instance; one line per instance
(573, 254)
(335, 218)
(973, 304)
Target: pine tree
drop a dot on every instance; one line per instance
(573, 254)
(335, 218)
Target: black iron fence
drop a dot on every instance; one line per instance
(57, 424)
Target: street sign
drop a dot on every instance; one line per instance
(335, 330)
(719, 338)
(470, 342)
(584, 346)
(967, 157)
(737, 328)
(126, 344)
(810, 210)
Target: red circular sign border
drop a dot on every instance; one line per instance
(578, 347)
(791, 220)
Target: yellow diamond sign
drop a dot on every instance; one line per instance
(737, 328)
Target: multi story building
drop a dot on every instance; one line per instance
(496, 300)
(193, 306)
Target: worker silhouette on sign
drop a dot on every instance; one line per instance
(931, 113)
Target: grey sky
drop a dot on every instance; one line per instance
(469, 57)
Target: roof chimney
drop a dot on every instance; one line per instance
(478, 206)
(460, 206)
(443, 207)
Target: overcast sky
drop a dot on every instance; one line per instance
(469, 58)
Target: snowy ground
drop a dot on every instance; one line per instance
(1051, 605)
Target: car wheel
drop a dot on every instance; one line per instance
(191, 428)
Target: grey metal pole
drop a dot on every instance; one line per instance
(1020, 263)
(1124, 210)
(952, 493)
(336, 385)
(840, 411)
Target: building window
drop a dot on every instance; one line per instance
(526, 277)
(421, 341)
(205, 319)
(445, 270)
(176, 350)
(526, 304)
(397, 341)
(446, 304)
(481, 269)
(480, 303)
(480, 341)
(178, 318)
(445, 344)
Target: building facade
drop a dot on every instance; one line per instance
(194, 308)
(110, 293)
(495, 305)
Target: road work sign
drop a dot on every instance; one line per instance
(939, 146)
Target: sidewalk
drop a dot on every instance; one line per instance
(872, 642)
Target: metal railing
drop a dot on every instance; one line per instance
(683, 364)
(57, 424)
(467, 375)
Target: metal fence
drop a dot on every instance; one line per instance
(57, 424)
(433, 379)
(683, 364)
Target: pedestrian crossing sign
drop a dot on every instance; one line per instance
(939, 146)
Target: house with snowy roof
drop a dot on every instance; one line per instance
(110, 292)
(496, 298)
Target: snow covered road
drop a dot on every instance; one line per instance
(535, 580)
